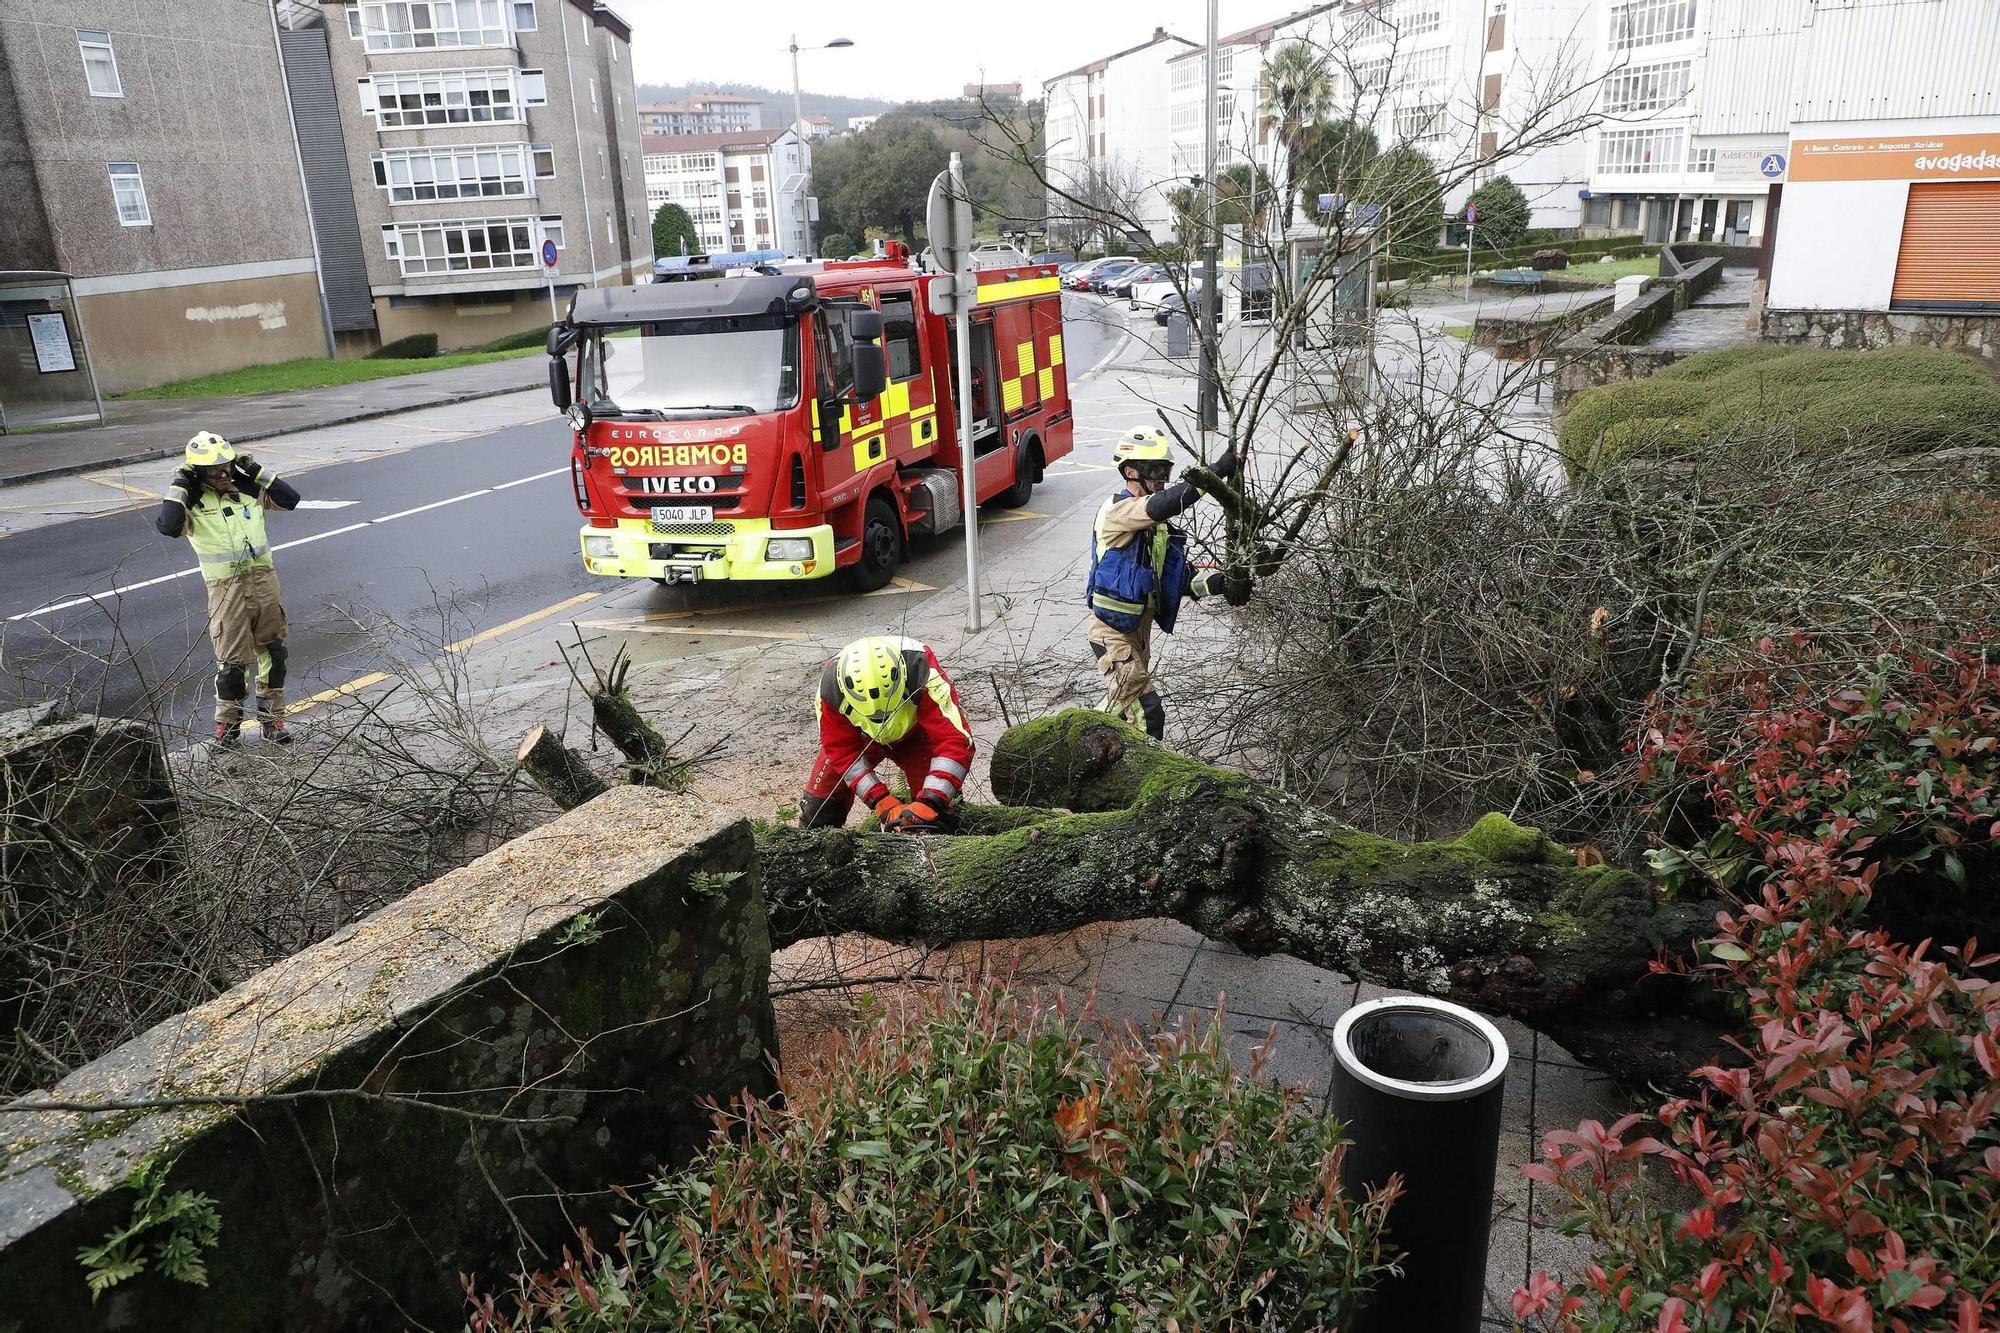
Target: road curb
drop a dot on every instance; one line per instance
(154, 455)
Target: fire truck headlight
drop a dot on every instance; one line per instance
(788, 548)
(603, 548)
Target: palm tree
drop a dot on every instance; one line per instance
(1297, 91)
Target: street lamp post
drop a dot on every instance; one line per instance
(799, 129)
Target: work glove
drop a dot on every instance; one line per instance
(190, 481)
(1236, 588)
(244, 468)
(1225, 466)
(887, 810)
(919, 817)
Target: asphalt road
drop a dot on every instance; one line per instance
(423, 548)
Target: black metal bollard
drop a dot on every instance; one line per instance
(1418, 1084)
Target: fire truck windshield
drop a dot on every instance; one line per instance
(724, 366)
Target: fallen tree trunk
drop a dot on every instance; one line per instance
(1499, 919)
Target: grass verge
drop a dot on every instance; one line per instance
(314, 372)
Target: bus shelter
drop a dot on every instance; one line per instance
(45, 373)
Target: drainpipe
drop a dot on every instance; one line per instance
(576, 128)
(305, 192)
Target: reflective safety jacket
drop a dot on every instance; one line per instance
(930, 722)
(1149, 573)
(226, 531)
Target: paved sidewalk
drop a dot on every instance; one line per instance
(140, 430)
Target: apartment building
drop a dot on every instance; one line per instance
(703, 113)
(743, 189)
(473, 131)
(145, 150)
(1106, 132)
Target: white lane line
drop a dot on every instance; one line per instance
(120, 589)
(327, 504)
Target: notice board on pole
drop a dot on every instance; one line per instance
(50, 333)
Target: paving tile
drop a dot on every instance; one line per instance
(1566, 1097)
(1143, 967)
(1164, 930)
(1549, 1053)
(1276, 986)
(1521, 1039)
(1301, 1055)
(1512, 1190)
(1367, 990)
(1506, 1268)
(1562, 1257)
(1517, 1097)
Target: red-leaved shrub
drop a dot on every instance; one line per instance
(1846, 1174)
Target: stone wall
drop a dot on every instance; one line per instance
(1603, 351)
(1870, 329)
(448, 1086)
(1526, 339)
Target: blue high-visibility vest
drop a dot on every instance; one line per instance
(1145, 574)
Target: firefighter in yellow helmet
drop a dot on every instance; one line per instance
(217, 501)
(1139, 572)
(886, 697)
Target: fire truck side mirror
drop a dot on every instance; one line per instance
(870, 375)
(559, 383)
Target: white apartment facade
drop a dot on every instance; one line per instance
(1106, 132)
(703, 113)
(744, 191)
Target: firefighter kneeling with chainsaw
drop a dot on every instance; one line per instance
(217, 500)
(886, 697)
(1139, 572)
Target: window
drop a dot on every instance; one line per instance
(1702, 161)
(128, 191)
(584, 23)
(544, 156)
(468, 171)
(552, 230)
(603, 172)
(460, 246)
(593, 94)
(1421, 69)
(1650, 22)
(1646, 87)
(100, 64)
(1414, 18)
(419, 25)
(354, 21)
(407, 99)
(1371, 76)
(524, 15)
(1415, 124)
(1639, 152)
(1597, 212)
(899, 336)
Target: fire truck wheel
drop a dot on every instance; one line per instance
(881, 547)
(1027, 465)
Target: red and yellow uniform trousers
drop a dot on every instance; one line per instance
(927, 737)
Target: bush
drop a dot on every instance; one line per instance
(513, 342)
(1892, 765)
(975, 1162)
(837, 245)
(1544, 260)
(1503, 212)
(415, 347)
(1905, 400)
(1844, 1173)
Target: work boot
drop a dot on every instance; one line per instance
(228, 735)
(271, 713)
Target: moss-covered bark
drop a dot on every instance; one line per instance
(1498, 918)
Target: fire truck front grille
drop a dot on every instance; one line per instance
(694, 529)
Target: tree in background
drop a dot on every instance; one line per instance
(1298, 90)
(1503, 213)
(1334, 158)
(836, 245)
(878, 179)
(673, 232)
(1405, 182)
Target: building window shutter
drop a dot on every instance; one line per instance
(1950, 254)
(367, 87)
(534, 88)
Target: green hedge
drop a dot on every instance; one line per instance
(415, 347)
(1908, 400)
(973, 1162)
(1582, 251)
(535, 337)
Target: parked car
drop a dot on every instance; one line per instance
(1121, 284)
(1082, 273)
(1063, 257)
(1148, 293)
(1173, 303)
(1097, 278)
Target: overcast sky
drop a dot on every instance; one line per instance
(904, 51)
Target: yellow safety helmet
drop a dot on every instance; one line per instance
(207, 449)
(874, 681)
(1149, 449)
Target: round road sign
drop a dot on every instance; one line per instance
(548, 254)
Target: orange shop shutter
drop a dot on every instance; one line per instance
(1951, 245)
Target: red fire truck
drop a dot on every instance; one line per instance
(784, 423)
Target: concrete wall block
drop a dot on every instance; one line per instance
(77, 792)
(589, 981)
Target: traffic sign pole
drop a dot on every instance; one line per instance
(1471, 216)
(549, 260)
(948, 222)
